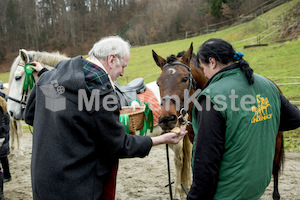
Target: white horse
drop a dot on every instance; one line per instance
(16, 102)
(49, 60)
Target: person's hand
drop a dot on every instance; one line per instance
(169, 138)
(36, 66)
(173, 138)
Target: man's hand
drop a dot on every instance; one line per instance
(169, 138)
(36, 66)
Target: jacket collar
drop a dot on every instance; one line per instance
(98, 63)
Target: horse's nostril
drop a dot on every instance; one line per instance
(159, 120)
(169, 119)
(11, 113)
(173, 118)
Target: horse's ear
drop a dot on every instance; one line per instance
(159, 60)
(187, 56)
(24, 55)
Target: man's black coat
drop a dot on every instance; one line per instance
(74, 150)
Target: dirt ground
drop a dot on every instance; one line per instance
(142, 179)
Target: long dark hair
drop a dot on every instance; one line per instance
(223, 52)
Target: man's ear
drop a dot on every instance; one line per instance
(110, 59)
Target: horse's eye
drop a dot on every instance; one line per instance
(18, 78)
(185, 79)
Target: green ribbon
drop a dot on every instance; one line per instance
(148, 122)
(28, 81)
(124, 119)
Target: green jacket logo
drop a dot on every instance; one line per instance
(261, 111)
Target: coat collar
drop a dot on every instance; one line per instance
(98, 63)
(230, 67)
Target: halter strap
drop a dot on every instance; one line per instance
(16, 100)
(191, 84)
(177, 63)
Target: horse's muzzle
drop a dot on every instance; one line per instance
(16, 116)
(167, 123)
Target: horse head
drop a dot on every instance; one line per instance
(15, 103)
(17, 97)
(173, 82)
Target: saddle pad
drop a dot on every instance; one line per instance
(149, 97)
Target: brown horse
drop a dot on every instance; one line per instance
(182, 78)
(183, 75)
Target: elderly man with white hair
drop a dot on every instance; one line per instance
(76, 150)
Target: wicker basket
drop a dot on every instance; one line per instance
(136, 117)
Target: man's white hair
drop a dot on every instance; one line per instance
(109, 45)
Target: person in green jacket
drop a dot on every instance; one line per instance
(236, 121)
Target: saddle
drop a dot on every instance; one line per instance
(130, 91)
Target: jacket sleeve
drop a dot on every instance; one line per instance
(112, 135)
(4, 123)
(289, 115)
(42, 71)
(30, 107)
(208, 153)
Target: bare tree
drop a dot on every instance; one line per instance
(74, 25)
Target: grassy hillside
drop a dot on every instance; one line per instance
(275, 60)
(4, 77)
(142, 64)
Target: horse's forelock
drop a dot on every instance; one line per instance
(171, 58)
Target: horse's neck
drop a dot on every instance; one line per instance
(48, 59)
(201, 81)
(199, 77)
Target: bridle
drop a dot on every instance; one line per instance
(192, 83)
(27, 85)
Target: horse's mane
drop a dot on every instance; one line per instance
(49, 60)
